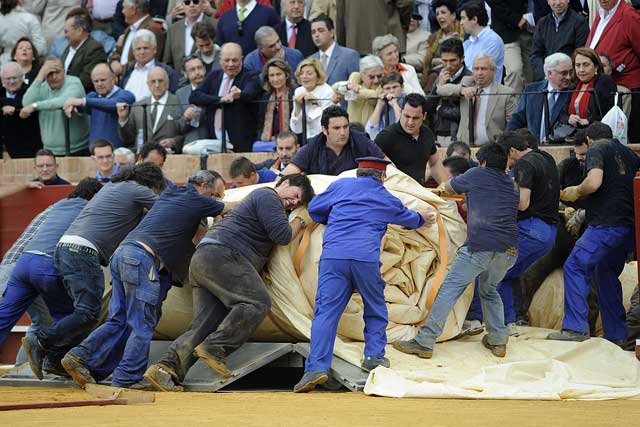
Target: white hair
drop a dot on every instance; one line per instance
(552, 61)
(124, 151)
(381, 42)
(144, 36)
(484, 55)
(263, 32)
(370, 61)
(12, 64)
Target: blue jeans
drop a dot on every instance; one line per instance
(84, 281)
(535, 239)
(337, 279)
(33, 276)
(121, 344)
(600, 251)
(490, 268)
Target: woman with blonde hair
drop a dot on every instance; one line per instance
(315, 93)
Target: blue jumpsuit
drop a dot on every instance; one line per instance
(357, 212)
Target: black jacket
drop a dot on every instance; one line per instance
(304, 42)
(505, 17)
(444, 112)
(20, 137)
(601, 100)
(572, 33)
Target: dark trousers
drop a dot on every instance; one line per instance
(230, 301)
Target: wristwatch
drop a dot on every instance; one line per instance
(35, 106)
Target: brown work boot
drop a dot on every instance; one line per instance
(215, 361)
(499, 350)
(161, 378)
(79, 371)
(413, 347)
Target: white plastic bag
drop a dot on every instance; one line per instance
(617, 121)
(205, 146)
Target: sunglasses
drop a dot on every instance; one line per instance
(188, 2)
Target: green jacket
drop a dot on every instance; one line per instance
(52, 117)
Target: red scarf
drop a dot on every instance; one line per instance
(399, 69)
(579, 104)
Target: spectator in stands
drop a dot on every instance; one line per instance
(102, 154)
(124, 157)
(176, 9)
(286, 147)
(274, 112)
(269, 46)
(83, 52)
(26, 55)
(558, 68)
(102, 13)
(46, 168)
(386, 47)
(192, 118)
(624, 99)
(52, 15)
(315, 93)
(593, 97)
(239, 24)
(46, 95)
(153, 152)
(101, 105)
(366, 87)
(204, 34)
(294, 30)
(449, 28)
(482, 39)
(17, 23)
(337, 61)
(179, 42)
(493, 104)
(388, 105)
(60, 44)
(616, 32)
(163, 124)
(410, 145)
(237, 88)
(444, 112)
(19, 137)
(243, 173)
(335, 150)
(134, 78)
(563, 30)
(417, 43)
(136, 14)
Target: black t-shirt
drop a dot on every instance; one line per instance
(538, 172)
(408, 154)
(571, 173)
(55, 181)
(612, 204)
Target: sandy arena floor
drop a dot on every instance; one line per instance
(318, 408)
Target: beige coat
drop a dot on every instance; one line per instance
(319, 7)
(417, 43)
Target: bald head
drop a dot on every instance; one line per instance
(103, 79)
(231, 59)
(158, 82)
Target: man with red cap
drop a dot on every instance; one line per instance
(356, 212)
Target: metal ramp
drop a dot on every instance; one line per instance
(249, 358)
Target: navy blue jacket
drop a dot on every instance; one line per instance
(104, 116)
(229, 28)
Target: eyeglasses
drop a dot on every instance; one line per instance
(188, 2)
(46, 166)
(565, 73)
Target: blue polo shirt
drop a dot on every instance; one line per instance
(101, 178)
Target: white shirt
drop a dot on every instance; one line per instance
(481, 128)
(602, 24)
(188, 40)
(160, 108)
(289, 25)
(72, 53)
(137, 83)
(124, 58)
(543, 122)
(104, 9)
(323, 93)
(248, 8)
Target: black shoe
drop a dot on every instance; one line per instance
(214, 360)
(53, 365)
(78, 370)
(499, 350)
(567, 335)
(35, 354)
(161, 378)
(413, 347)
(310, 380)
(369, 363)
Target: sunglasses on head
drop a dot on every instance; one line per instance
(188, 2)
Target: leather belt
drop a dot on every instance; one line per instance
(74, 247)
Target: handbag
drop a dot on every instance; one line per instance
(560, 132)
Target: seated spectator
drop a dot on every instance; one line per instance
(593, 97)
(17, 23)
(338, 62)
(387, 48)
(239, 24)
(269, 46)
(315, 93)
(102, 154)
(46, 95)
(61, 43)
(134, 78)
(19, 137)
(176, 9)
(192, 119)
(335, 150)
(162, 123)
(482, 39)
(46, 168)
(624, 98)
(449, 28)
(493, 104)
(444, 112)
(563, 30)
(179, 42)
(124, 157)
(286, 147)
(417, 43)
(456, 165)
(388, 107)
(294, 30)
(203, 34)
(154, 153)
(558, 69)
(365, 86)
(26, 55)
(461, 149)
(243, 173)
(83, 52)
(101, 105)
(274, 112)
(225, 5)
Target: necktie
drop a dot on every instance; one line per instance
(292, 39)
(217, 121)
(241, 16)
(154, 112)
(324, 60)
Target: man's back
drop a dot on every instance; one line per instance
(538, 172)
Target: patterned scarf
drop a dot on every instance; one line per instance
(284, 114)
